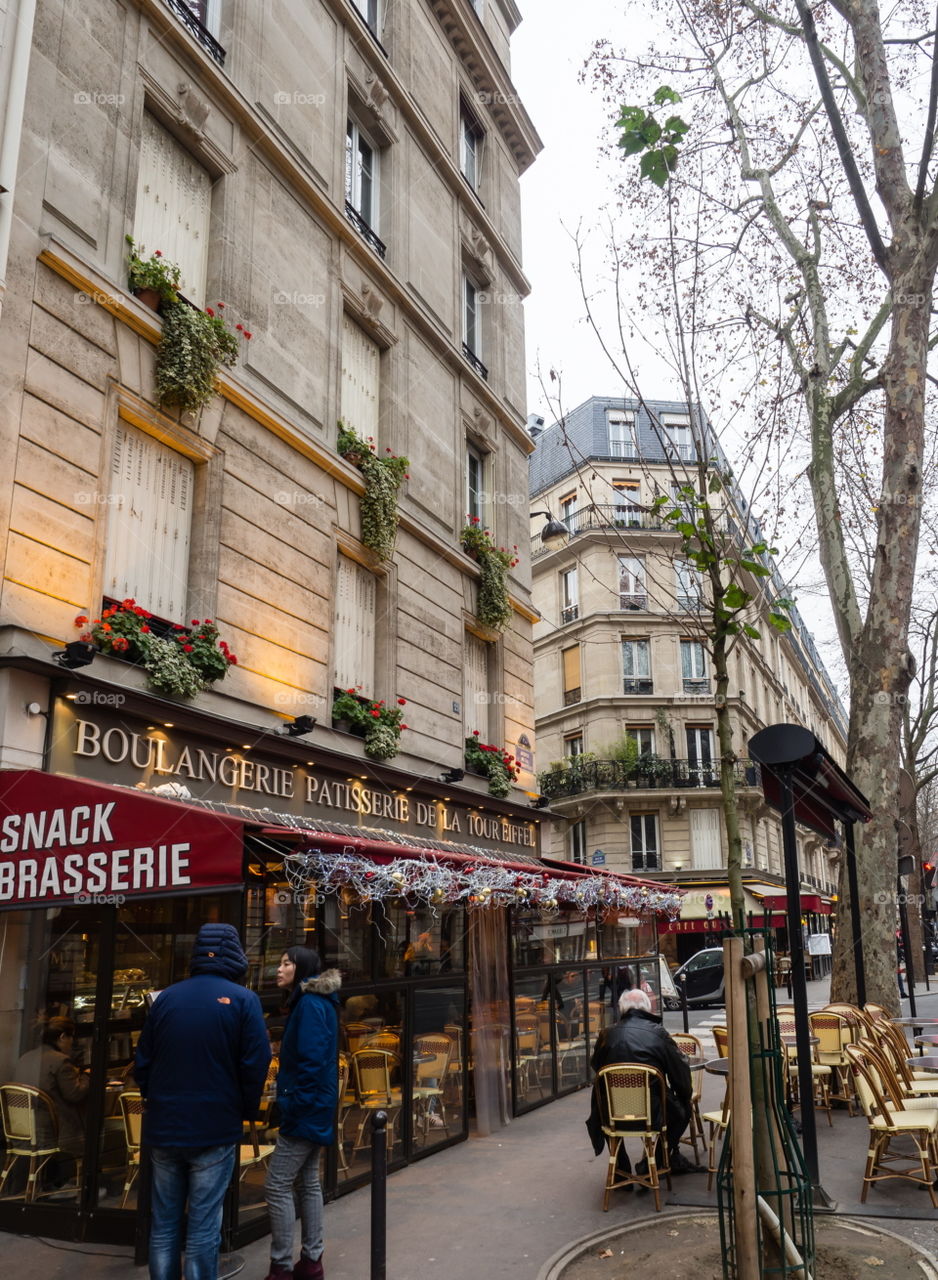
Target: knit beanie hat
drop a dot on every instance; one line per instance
(218, 950)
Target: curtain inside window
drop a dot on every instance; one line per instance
(491, 1024)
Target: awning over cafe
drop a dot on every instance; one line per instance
(64, 840)
(810, 902)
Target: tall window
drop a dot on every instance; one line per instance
(636, 666)
(174, 206)
(149, 523)
(569, 596)
(622, 443)
(475, 483)
(694, 667)
(471, 317)
(632, 583)
(688, 586)
(576, 842)
(369, 11)
(477, 694)
(354, 634)
(361, 174)
(677, 436)
(573, 746)
(568, 511)
(627, 508)
(643, 736)
(361, 367)
(571, 674)
(643, 833)
(470, 148)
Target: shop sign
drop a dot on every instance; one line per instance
(64, 840)
(117, 749)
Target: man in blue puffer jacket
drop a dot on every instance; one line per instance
(201, 1063)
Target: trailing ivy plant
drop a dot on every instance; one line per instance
(383, 478)
(494, 607)
(494, 763)
(193, 346)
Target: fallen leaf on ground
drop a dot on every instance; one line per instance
(874, 1262)
(606, 1253)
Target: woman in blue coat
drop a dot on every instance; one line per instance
(307, 1097)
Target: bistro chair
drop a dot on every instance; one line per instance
(31, 1131)
(527, 1054)
(356, 1032)
(876, 1012)
(834, 1033)
(907, 1084)
(691, 1047)
(820, 1072)
(721, 1038)
(346, 1102)
(886, 1123)
(631, 1092)
(371, 1080)
(253, 1153)
(131, 1105)
(430, 1078)
(388, 1040)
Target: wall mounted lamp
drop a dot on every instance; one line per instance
(300, 725)
(541, 802)
(554, 532)
(453, 775)
(77, 653)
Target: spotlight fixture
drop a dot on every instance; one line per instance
(541, 802)
(300, 725)
(554, 532)
(35, 709)
(77, 653)
(453, 775)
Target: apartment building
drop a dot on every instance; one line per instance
(339, 178)
(626, 723)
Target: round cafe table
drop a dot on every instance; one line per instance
(717, 1067)
(791, 1042)
(927, 1062)
(915, 1022)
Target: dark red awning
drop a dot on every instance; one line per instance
(65, 840)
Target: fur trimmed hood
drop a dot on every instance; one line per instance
(326, 983)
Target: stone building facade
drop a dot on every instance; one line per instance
(618, 657)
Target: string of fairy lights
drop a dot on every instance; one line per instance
(475, 884)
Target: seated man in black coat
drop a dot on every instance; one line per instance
(639, 1037)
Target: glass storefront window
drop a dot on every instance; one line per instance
(570, 1021)
(621, 935)
(371, 1067)
(346, 935)
(551, 937)
(533, 1054)
(437, 1053)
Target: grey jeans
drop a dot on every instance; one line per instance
(294, 1164)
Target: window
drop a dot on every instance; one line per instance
(700, 764)
(576, 842)
(571, 675)
(472, 300)
(622, 442)
(573, 746)
(568, 511)
(688, 586)
(643, 831)
(676, 436)
(201, 18)
(627, 508)
(361, 174)
(174, 206)
(149, 524)
(477, 696)
(636, 666)
(643, 736)
(471, 139)
(475, 483)
(632, 592)
(369, 11)
(569, 596)
(694, 667)
(361, 366)
(354, 636)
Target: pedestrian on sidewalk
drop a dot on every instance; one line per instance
(200, 1064)
(900, 965)
(639, 1037)
(307, 1097)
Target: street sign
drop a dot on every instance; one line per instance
(599, 858)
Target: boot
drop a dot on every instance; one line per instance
(307, 1269)
(279, 1273)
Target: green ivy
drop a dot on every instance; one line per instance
(383, 478)
(193, 346)
(494, 607)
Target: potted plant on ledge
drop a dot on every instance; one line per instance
(379, 724)
(493, 608)
(493, 763)
(383, 477)
(154, 280)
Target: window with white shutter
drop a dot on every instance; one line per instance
(174, 206)
(361, 372)
(355, 627)
(476, 695)
(149, 523)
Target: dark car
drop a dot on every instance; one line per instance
(704, 978)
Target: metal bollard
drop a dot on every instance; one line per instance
(683, 981)
(379, 1195)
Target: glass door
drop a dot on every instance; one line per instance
(700, 755)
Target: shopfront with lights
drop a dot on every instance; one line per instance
(136, 834)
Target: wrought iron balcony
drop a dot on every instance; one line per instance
(638, 684)
(570, 613)
(474, 360)
(192, 15)
(366, 233)
(571, 696)
(653, 773)
(623, 519)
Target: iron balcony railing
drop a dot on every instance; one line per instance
(623, 518)
(363, 229)
(654, 773)
(192, 14)
(474, 360)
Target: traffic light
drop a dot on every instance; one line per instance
(928, 887)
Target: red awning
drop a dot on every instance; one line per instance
(65, 840)
(809, 902)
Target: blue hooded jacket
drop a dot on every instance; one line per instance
(308, 1077)
(203, 1053)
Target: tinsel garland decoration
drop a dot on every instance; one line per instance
(477, 884)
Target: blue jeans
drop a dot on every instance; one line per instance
(293, 1182)
(201, 1176)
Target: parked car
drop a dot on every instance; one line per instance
(704, 979)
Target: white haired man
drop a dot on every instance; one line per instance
(639, 1037)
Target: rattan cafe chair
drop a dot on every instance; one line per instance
(31, 1132)
(631, 1090)
(691, 1047)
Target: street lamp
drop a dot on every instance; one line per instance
(554, 532)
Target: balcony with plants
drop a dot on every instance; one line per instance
(622, 769)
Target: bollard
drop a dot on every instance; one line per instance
(683, 981)
(379, 1195)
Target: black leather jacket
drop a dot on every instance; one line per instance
(638, 1037)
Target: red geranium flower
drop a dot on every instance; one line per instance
(402, 702)
(187, 648)
(80, 620)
